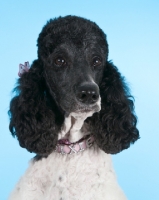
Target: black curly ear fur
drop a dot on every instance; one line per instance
(114, 127)
(35, 118)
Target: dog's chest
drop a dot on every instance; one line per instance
(87, 175)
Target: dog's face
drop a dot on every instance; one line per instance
(74, 74)
(74, 66)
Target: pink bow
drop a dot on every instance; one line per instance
(23, 68)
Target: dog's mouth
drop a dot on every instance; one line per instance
(85, 109)
(79, 108)
(89, 108)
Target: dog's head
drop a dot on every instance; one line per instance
(73, 51)
(72, 74)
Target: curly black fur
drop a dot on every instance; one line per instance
(41, 102)
(115, 125)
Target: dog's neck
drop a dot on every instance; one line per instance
(74, 127)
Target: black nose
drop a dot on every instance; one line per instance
(87, 93)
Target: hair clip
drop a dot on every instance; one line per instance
(23, 68)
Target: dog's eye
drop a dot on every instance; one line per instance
(60, 61)
(96, 61)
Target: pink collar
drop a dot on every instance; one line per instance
(66, 147)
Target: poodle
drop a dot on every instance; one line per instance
(73, 109)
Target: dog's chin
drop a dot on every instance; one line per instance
(80, 109)
(88, 109)
(84, 112)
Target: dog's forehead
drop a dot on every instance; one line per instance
(75, 47)
(80, 32)
(79, 38)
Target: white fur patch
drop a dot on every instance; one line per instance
(74, 123)
(88, 175)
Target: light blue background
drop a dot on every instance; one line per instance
(132, 29)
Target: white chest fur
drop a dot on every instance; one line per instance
(88, 175)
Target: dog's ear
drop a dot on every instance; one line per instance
(32, 113)
(115, 125)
